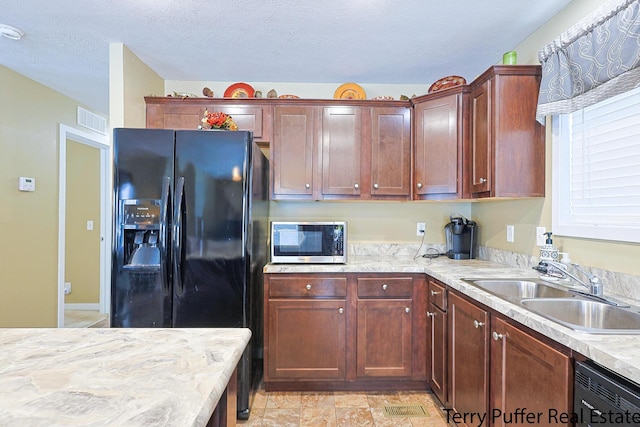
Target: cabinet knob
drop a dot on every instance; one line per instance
(308, 286)
(376, 186)
(477, 324)
(307, 186)
(419, 185)
(341, 310)
(407, 310)
(497, 336)
(434, 293)
(431, 314)
(356, 186)
(482, 180)
(385, 287)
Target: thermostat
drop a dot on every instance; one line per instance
(26, 184)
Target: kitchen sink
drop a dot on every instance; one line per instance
(518, 289)
(586, 315)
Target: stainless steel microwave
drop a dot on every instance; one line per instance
(309, 242)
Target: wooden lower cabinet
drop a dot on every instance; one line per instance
(468, 344)
(527, 373)
(307, 339)
(503, 371)
(345, 332)
(437, 313)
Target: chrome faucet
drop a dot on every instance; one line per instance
(548, 267)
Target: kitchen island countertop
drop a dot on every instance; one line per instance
(620, 353)
(115, 377)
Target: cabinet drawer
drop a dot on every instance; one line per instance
(380, 288)
(438, 295)
(307, 287)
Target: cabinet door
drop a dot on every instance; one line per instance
(468, 357)
(527, 373)
(306, 339)
(438, 328)
(481, 139)
(384, 338)
(390, 151)
(341, 151)
(439, 138)
(292, 153)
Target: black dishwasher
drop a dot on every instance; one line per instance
(604, 398)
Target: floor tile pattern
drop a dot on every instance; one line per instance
(339, 409)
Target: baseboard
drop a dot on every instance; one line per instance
(83, 306)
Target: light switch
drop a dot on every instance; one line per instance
(510, 233)
(89, 225)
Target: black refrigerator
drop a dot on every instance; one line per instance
(190, 235)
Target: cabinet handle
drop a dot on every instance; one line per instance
(497, 336)
(341, 310)
(356, 186)
(482, 180)
(434, 293)
(375, 186)
(385, 287)
(307, 186)
(431, 314)
(407, 310)
(419, 185)
(477, 324)
(308, 286)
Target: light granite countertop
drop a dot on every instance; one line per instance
(620, 353)
(115, 377)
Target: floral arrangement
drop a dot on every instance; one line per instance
(218, 120)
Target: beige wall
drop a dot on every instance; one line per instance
(29, 118)
(82, 246)
(527, 214)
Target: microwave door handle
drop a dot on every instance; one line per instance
(178, 246)
(163, 239)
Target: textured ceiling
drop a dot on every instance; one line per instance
(66, 46)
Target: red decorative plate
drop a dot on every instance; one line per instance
(239, 90)
(447, 82)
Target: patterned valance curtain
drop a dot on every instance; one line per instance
(596, 59)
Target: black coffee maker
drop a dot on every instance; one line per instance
(461, 235)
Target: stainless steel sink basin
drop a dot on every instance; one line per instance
(586, 315)
(519, 289)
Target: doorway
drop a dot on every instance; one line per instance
(83, 155)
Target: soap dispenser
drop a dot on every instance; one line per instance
(548, 252)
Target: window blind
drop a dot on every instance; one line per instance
(600, 169)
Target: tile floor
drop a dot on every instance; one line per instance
(85, 319)
(339, 409)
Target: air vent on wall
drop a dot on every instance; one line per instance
(91, 121)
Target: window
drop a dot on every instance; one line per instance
(596, 170)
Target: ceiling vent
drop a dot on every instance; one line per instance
(92, 121)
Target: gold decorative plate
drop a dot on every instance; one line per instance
(350, 91)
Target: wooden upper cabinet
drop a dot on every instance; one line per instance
(390, 163)
(341, 151)
(176, 113)
(507, 143)
(439, 127)
(293, 153)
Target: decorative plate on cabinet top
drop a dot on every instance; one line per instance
(288, 97)
(350, 91)
(239, 90)
(383, 98)
(447, 82)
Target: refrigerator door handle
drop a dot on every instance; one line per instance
(178, 249)
(164, 234)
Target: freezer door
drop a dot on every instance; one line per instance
(143, 186)
(210, 259)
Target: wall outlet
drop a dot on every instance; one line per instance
(420, 228)
(540, 237)
(510, 233)
(67, 288)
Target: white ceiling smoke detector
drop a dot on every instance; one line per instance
(10, 32)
